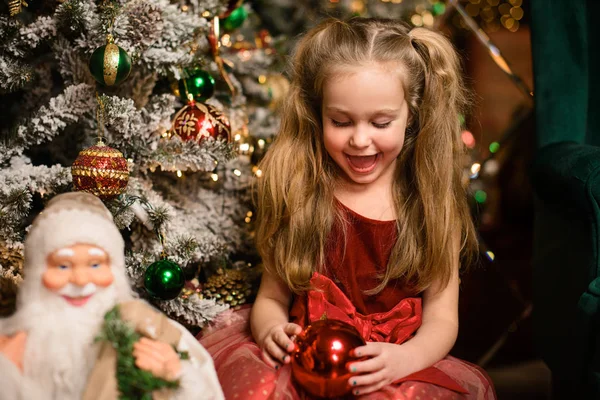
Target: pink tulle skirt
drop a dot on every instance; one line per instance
(245, 376)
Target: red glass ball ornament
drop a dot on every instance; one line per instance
(101, 171)
(198, 121)
(320, 363)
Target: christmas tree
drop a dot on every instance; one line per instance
(163, 111)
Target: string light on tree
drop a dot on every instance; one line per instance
(438, 8)
(468, 139)
(480, 196)
(475, 168)
(494, 14)
(494, 147)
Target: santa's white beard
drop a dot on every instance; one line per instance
(60, 350)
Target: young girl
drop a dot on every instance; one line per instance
(362, 217)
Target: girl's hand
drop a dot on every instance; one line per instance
(158, 358)
(388, 363)
(277, 344)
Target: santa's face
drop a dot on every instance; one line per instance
(77, 273)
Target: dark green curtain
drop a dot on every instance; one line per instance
(565, 41)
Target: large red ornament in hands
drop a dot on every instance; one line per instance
(320, 363)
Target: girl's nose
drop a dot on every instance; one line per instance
(360, 137)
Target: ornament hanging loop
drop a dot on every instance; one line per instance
(100, 116)
(213, 40)
(188, 95)
(162, 239)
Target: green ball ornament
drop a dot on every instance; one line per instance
(231, 5)
(110, 64)
(200, 84)
(164, 279)
(235, 19)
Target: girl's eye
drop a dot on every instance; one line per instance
(63, 266)
(96, 265)
(382, 126)
(340, 124)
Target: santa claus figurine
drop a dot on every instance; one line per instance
(74, 276)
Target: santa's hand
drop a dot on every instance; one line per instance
(158, 358)
(13, 347)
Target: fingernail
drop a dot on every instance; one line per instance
(284, 357)
(358, 353)
(276, 366)
(353, 369)
(356, 391)
(287, 345)
(353, 383)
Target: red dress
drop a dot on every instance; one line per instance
(393, 315)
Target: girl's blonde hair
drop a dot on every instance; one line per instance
(296, 207)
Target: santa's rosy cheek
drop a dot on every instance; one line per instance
(54, 279)
(102, 277)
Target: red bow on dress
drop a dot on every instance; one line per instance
(398, 325)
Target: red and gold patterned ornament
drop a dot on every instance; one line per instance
(101, 171)
(320, 363)
(198, 121)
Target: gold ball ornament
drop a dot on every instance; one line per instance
(278, 87)
(101, 171)
(198, 121)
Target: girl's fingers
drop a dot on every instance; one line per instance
(366, 380)
(283, 341)
(359, 391)
(371, 349)
(269, 360)
(276, 351)
(292, 329)
(370, 365)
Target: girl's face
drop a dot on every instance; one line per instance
(364, 119)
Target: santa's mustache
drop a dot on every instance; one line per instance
(72, 290)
